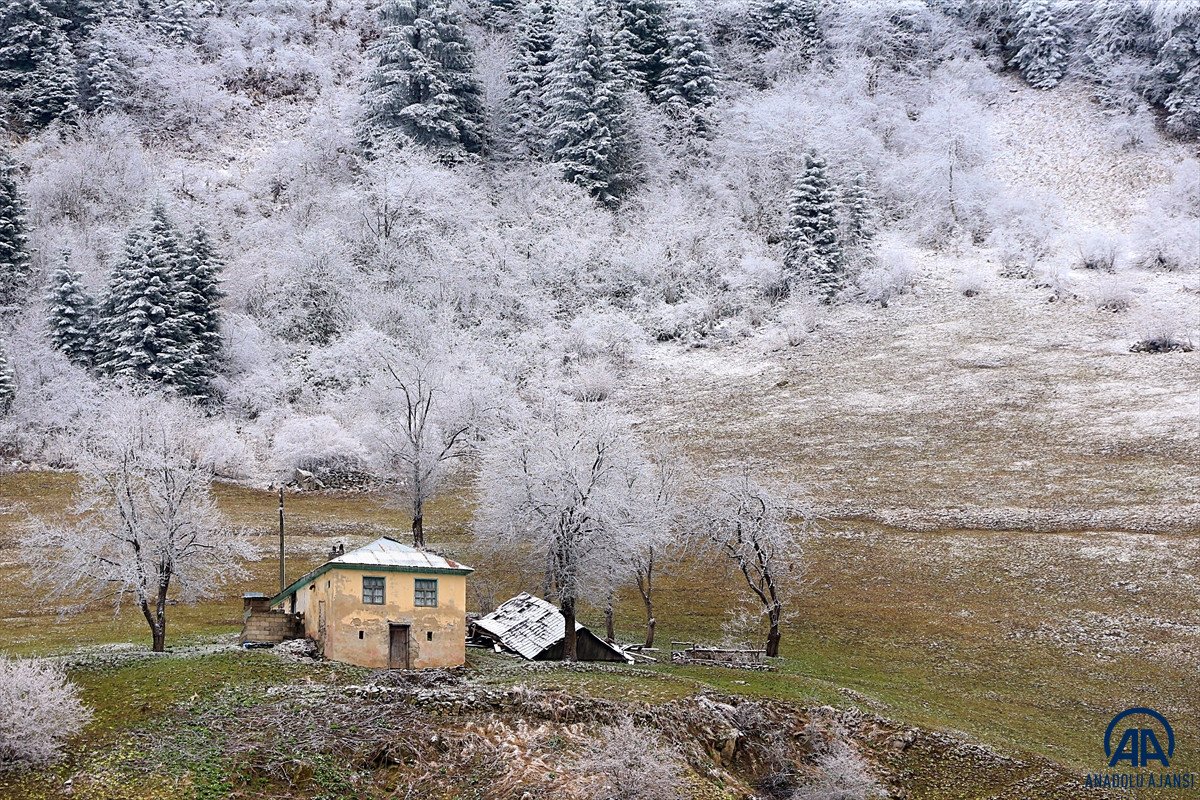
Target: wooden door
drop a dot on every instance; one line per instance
(321, 627)
(398, 647)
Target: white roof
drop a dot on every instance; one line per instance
(385, 552)
(526, 624)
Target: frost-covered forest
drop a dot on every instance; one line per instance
(284, 211)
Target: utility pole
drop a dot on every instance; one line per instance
(282, 572)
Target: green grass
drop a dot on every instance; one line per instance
(927, 628)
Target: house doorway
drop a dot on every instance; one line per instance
(398, 646)
(321, 627)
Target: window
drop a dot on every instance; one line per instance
(373, 591)
(429, 636)
(425, 592)
(360, 634)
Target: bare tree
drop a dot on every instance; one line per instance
(424, 412)
(751, 526)
(145, 523)
(564, 485)
(659, 523)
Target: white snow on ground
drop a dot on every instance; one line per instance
(1004, 409)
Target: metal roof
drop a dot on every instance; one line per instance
(382, 555)
(387, 552)
(526, 625)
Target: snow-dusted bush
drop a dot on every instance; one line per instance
(892, 274)
(1168, 234)
(592, 381)
(41, 709)
(1025, 231)
(971, 281)
(1134, 130)
(605, 333)
(844, 775)
(1099, 249)
(1058, 279)
(628, 763)
(801, 316)
(317, 444)
(1161, 330)
(1112, 293)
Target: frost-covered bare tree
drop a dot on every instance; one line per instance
(755, 528)
(564, 484)
(144, 524)
(422, 414)
(41, 710)
(661, 485)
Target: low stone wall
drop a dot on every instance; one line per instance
(261, 624)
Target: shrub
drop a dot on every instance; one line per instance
(1159, 331)
(627, 763)
(41, 709)
(893, 274)
(971, 281)
(1058, 280)
(593, 381)
(1112, 294)
(800, 317)
(1099, 250)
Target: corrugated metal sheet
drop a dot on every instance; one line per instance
(526, 624)
(387, 552)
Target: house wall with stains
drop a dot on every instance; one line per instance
(359, 633)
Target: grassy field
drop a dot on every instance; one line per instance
(1027, 643)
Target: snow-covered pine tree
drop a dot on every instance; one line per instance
(423, 86)
(200, 301)
(106, 78)
(525, 108)
(52, 89)
(814, 254)
(36, 66)
(591, 134)
(1117, 27)
(71, 314)
(642, 37)
(858, 213)
(172, 19)
(771, 21)
(8, 384)
(1175, 79)
(1041, 46)
(688, 81)
(145, 331)
(15, 265)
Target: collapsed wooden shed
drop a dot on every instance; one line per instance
(535, 630)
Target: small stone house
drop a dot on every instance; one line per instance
(384, 605)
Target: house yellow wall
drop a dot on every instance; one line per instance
(346, 614)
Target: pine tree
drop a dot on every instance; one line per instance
(107, 78)
(1041, 47)
(172, 20)
(200, 301)
(422, 86)
(37, 68)
(858, 208)
(52, 89)
(15, 266)
(773, 21)
(525, 107)
(814, 254)
(689, 78)
(8, 384)
(145, 329)
(1175, 78)
(591, 135)
(71, 314)
(642, 37)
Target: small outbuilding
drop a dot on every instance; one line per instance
(384, 605)
(534, 629)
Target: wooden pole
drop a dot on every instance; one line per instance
(282, 571)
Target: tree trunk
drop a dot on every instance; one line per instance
(610, 634)
(650, 623)
(568, 612)
(773, 635)
(418, 531)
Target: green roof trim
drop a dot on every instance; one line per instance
(326, 567)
